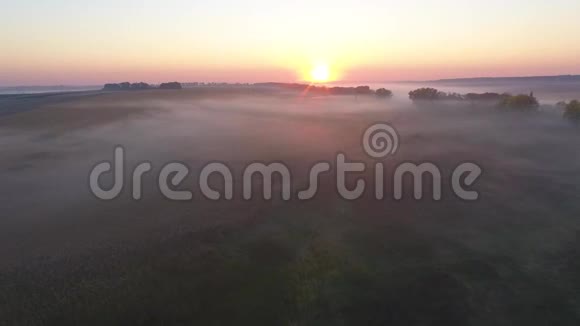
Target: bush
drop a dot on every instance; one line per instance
(520, 102)
(573, 111)
(382, 92)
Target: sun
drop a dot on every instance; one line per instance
(320, 74)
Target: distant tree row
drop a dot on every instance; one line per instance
(311, 89)
(505, 100)
(126, 86)
(359, 90)
(432, 94)
(171, 85)
(214, 84)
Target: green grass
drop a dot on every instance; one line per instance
(293, 269)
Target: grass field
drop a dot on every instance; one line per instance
(66, 258)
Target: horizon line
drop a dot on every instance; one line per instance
(331, 82)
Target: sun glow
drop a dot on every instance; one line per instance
(320, 74)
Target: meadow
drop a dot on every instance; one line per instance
(67, 258)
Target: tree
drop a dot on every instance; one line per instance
(112, 87)
(450, 96)
(363, 90)
(139, 86)
(125, 86)
(382, 92)
(171, 85)
(520, 102)
(572, 111)
(485, 97)
(424, 94)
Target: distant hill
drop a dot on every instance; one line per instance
(533, 79)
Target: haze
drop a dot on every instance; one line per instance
(290, 85)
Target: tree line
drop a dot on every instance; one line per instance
(126, 86)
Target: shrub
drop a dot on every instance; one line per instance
(382, 92)
(573, 111)
(520, 102)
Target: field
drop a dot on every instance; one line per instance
(67, 258)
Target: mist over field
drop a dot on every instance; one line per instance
(292, 163)
(66, 257)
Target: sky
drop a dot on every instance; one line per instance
(62, 42)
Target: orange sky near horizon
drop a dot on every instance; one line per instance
(75, 42)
